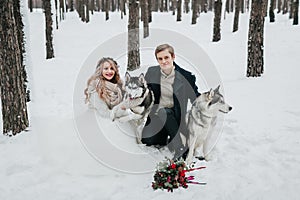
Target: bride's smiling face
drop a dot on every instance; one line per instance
(108, 71)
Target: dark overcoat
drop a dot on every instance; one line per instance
(184, 89)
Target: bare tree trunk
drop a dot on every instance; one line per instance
(166, 6)
(242, 4)
(98, 5)
(107, 5)
(279, 5)
(113, 6)
(13, 95)
(145, 16)
(71, 5)
(161, 6)
(56, 14)
(227, 3)
(211, 4)
(179, 4)
(217, 21)
(155, 6)
(150, 10)
(20, 32)
(296, 11)
(49, 38)
(236, 16)
(271, 11)
(92, 6)
(285, 7)
(133, 36)
(30, 5)
(255, 65)
(122, 7)
(195, 8)
(62, 9)
(173, 7)
(87, 11)
(203, 5)
(291, 13)
(231, 5)
(186, 6)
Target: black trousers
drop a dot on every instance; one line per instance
(162, 130)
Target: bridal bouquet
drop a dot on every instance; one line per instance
(171, 174)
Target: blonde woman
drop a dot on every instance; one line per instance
(104, 88)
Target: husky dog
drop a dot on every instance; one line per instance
(201, 118)
(139, 100)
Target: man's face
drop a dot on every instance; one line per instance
(165, 60)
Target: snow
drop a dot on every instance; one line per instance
(71, 153)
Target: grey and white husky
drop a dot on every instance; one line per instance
(139, 99)
(202, 118)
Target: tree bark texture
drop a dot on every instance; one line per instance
(179, 3)
(13, 94)
(236, 16)
(49, 38)
(255, 65)
(145, 15)
(217, 21)
(20, 32)
(133, 36)
(296, 11)
(271, 11)
(186, 6)
(195, 8)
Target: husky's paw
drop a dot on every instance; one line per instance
(139, 141)
(122, 119)
(188, 161)
(112, 116)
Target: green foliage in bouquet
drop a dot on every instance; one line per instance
(171, 175)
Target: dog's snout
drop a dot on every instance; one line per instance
(230, 108)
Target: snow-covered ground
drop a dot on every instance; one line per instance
(257, 156)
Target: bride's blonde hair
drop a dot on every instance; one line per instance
(98, 74)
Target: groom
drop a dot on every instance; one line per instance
(172, 87)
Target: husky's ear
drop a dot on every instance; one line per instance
(127, 77)
(142, 78)
(210, 95)
(217, 89)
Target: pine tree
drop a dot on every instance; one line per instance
(12, 81)
(255, 65)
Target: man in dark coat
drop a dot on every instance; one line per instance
(172, 87)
